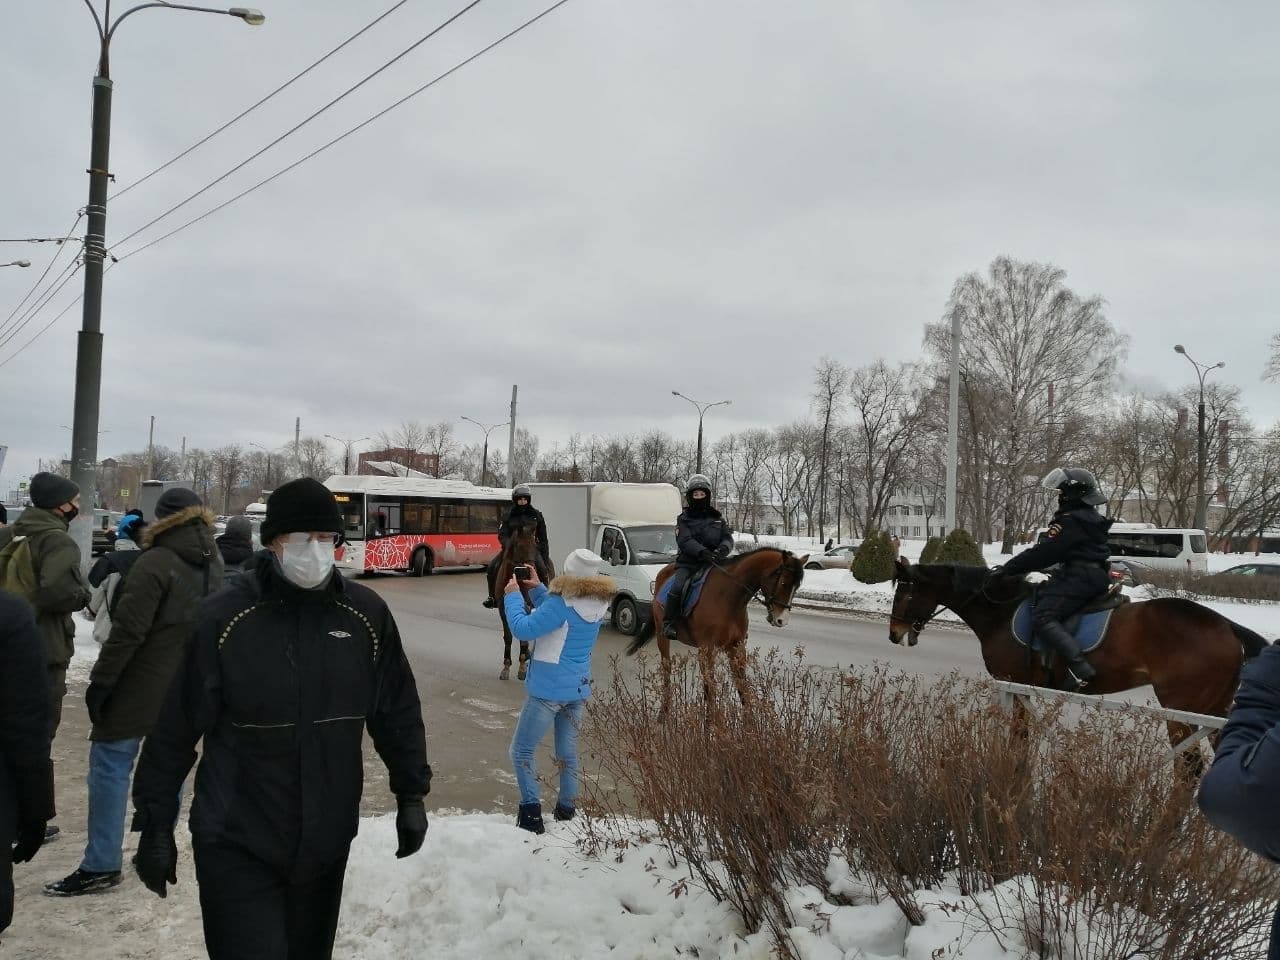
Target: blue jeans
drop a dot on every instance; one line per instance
(535, 719)
(110, 767)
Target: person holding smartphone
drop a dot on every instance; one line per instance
(563, 626)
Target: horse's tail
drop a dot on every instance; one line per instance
(1253, 643)
(643, 636)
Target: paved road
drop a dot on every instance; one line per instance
(455, 646)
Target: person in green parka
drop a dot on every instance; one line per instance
(159, 600)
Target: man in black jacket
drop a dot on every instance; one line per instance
(26, 774)
(703, 536)
(289, 664)
(1076, 544)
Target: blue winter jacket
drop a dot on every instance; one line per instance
(563, 626)
(1238, 794)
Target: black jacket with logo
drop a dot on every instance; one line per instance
(518, 514)
(1077, 535)
(700, 533)
(281, 683)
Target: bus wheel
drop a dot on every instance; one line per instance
(626, 618)
(421, 565)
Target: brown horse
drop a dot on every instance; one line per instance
(719, 621)
(1190, 654)
(521, 548)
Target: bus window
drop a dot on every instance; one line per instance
(453, 518)
(351, 506)
(419, 518)
(484, 517)
(384, 517)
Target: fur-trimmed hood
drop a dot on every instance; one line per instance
(178, 519)
(598, 587)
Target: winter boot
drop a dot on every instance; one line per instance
(1079, 670)
(488, 603)
(81, 882)
(530, 818)
(671, 613)
(563, 811)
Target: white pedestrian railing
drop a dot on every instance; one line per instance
(1202, 724)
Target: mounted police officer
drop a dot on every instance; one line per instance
(1076, 546)
(703, 536)
(522, 511)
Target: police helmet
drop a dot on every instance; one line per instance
(1074, 483)
(522, 490)
(698, 482)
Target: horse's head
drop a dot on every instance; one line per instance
(523, 543)
(779, 587)
(915, 601)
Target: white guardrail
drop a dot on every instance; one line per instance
(1202, 724)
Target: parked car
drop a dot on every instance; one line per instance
(837, 558)
(1129, 572)
(1262, 569)
(104, 532)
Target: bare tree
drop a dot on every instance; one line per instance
(885, 418)
(411, 438)
(1272, 370)
(525, 457)
(656, 455)
(1026, 341)
(228, 467)
(314, 458)
(440, 443)
(830, 381)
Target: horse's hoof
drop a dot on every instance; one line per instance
(524, 669)
(506, 672)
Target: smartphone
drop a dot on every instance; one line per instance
(522, 572)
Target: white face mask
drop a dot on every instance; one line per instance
(308, 564)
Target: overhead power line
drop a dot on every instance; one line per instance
(338, 139)
(294, 129)
(36, 336)
(68, 272)
(244, 113)
(61, 247)
(37, 240)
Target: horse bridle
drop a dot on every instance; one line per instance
(916, 626)
(759, 594)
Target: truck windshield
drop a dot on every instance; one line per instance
(652, 544)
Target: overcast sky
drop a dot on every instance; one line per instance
(625, 199)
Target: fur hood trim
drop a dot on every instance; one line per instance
(177, 520)
(598, 587)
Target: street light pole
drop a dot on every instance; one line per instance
(1202, 450)
(16, 263)
(84, 433)
(347, 445)
(484, 457)
(702, 408)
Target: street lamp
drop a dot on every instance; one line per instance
(16, 263)
(484, 457)
(347, 445)
(1202, 371)
(84, 435)
(702, 409)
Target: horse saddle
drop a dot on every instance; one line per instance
(1088, 624)
(692, 590)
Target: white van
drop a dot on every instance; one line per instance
(1164, 548)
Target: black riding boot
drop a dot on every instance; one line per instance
(1079, 670)
(671, 613)
(490, 572)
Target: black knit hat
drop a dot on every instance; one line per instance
(48, 490)
(300, 506)
(175, 500)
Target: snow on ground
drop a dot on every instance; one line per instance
(86, 654)
(482, 888)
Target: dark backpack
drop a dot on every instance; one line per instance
(18, 569)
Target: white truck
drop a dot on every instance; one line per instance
(631, 525)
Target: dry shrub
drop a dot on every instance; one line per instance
(1193, 586)
(1074, 822)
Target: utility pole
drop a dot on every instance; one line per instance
(1202, 448)
(953, 423)
(347, 445)
(151, 450)
(702, 408)
(511, 440)
(182, 463)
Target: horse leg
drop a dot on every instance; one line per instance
(664, 651)
(506, 646)
(707, 662)
(738, 668)
(524, 660)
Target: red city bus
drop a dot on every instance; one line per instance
(417, 525)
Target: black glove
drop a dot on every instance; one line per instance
(705, 555)
(723, 551)
(95, 698)
(157, 859)
(30, 839)
(411, 826)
